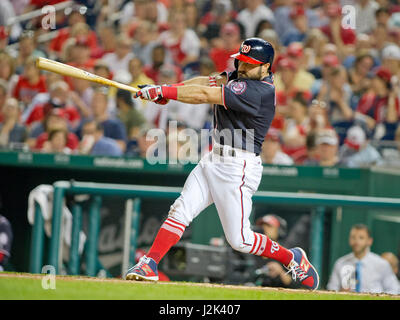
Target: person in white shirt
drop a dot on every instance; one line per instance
(182, 43)
(365, 13)
(144, 10)
(145, 41)
(255, 12)
(271, 152)
(362, 270)
(357, 151)
(119, 60)
(7, 13)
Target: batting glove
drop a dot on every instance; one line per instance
(151, 93)
(162, 101)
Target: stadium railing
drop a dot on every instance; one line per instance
(320, 202)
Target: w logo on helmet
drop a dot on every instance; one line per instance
(246, 48)
(255, 51)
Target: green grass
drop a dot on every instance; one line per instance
(25, 286)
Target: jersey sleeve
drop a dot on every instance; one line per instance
(242, 96)
(230, 75)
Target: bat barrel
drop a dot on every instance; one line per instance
(70, 71)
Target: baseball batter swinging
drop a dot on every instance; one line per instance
(229, 175)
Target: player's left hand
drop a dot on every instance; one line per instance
(151, 93)
(162, 101)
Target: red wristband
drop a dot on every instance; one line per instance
(177, 84)
(169, 92)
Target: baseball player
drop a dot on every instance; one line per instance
(230, 174)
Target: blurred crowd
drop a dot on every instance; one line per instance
(336, 73)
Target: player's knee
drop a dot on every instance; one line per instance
(177, 211)
(237, 244)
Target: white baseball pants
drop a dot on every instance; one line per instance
(229, 182)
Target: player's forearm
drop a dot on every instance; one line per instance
(208, 81)
(193, 94)
(197, 94)
(201, 81)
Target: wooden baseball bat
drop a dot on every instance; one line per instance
(66, 70)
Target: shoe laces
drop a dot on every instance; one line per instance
(142, 261)
(297, 272)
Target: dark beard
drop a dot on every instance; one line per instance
(242, 74)
(245, 76)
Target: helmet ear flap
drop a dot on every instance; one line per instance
(236, 64)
